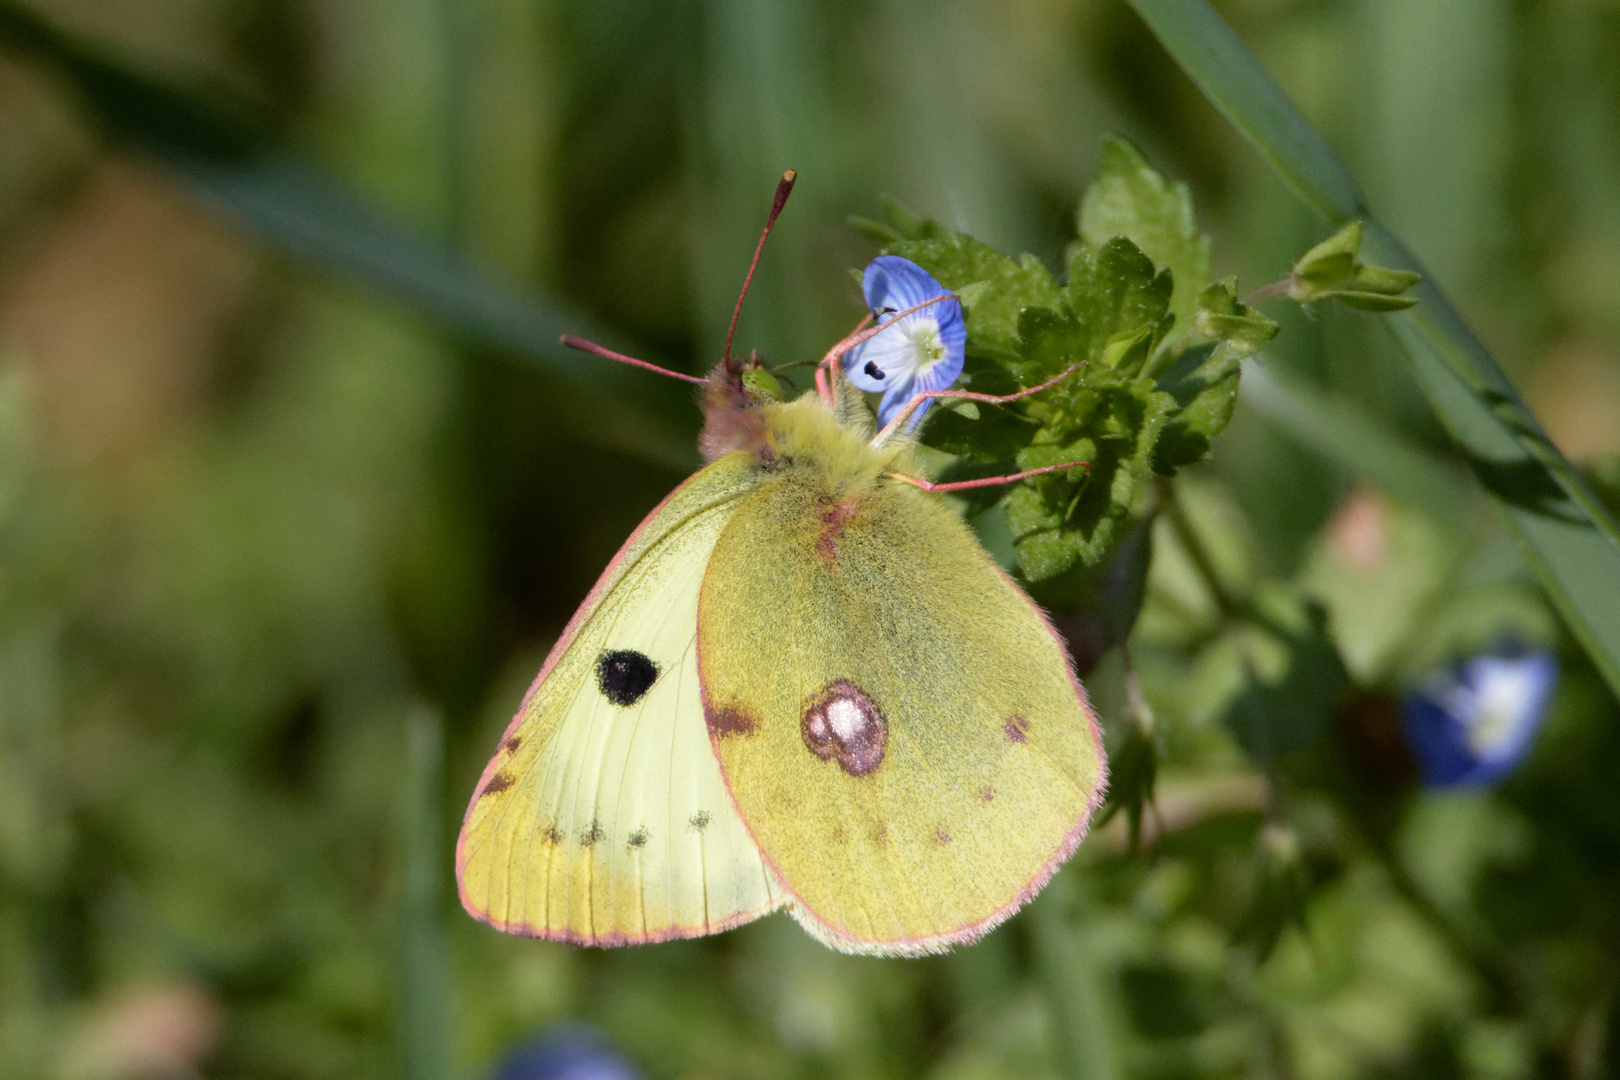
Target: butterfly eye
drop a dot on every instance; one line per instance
(624, 675)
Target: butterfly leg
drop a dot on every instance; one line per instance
(848, 342)
(986, 481)
(911, 407)
(859, 336)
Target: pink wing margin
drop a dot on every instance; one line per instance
(839, 938)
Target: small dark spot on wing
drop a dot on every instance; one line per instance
(880, 836)
(552, 835)
(513, 743)
(1016, 728)
(699, 821)
(987, 793)
(638, 839)
(624, 675)
(497, 783)
(941, 836)
(835, 514)
(592, 835)
(729, 721)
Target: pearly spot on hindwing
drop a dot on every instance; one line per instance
(844, 723)
(624, 676)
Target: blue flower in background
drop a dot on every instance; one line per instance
(566, 1053)
(922, 351)
(1474, 723)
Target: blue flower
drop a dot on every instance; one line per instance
(1473, 723)
(920, 352)
(567, 1052)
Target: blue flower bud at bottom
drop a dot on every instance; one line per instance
(567, 1052)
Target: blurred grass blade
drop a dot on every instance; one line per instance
(424, 958)
(1077, 984)
(237, 164)
(1566, 533)
(1342, 433)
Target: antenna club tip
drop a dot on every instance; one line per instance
(782, 189)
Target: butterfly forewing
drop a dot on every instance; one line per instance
(897, 722)
(603, 818)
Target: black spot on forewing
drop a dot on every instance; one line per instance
(699, 821)
(552, 835)
(1016, 729)
(592, 835)
(638, 839)
(497, 783)
(624, 675)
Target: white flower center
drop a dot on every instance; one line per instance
(923, 337)
(1502, 696)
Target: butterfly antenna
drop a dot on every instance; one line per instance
(594, 349)
(782, 190)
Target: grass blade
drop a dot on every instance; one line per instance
(424, 957)
(1567, 535)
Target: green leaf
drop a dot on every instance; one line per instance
(1057, 521)
(1221, 316)
(1115, 289)
(1204, 377)
(995, 435)
(1130, 198)
(1107, 322)
(1570, 538)
(1204, 384)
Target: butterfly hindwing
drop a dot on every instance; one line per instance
(897, 722)
(603, 818)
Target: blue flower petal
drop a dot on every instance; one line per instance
(893, 284)
(566, 1052)
(920, 351)
(1474, 723)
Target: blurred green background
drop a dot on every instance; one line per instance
(279, 554)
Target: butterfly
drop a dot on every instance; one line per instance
(801, 684)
